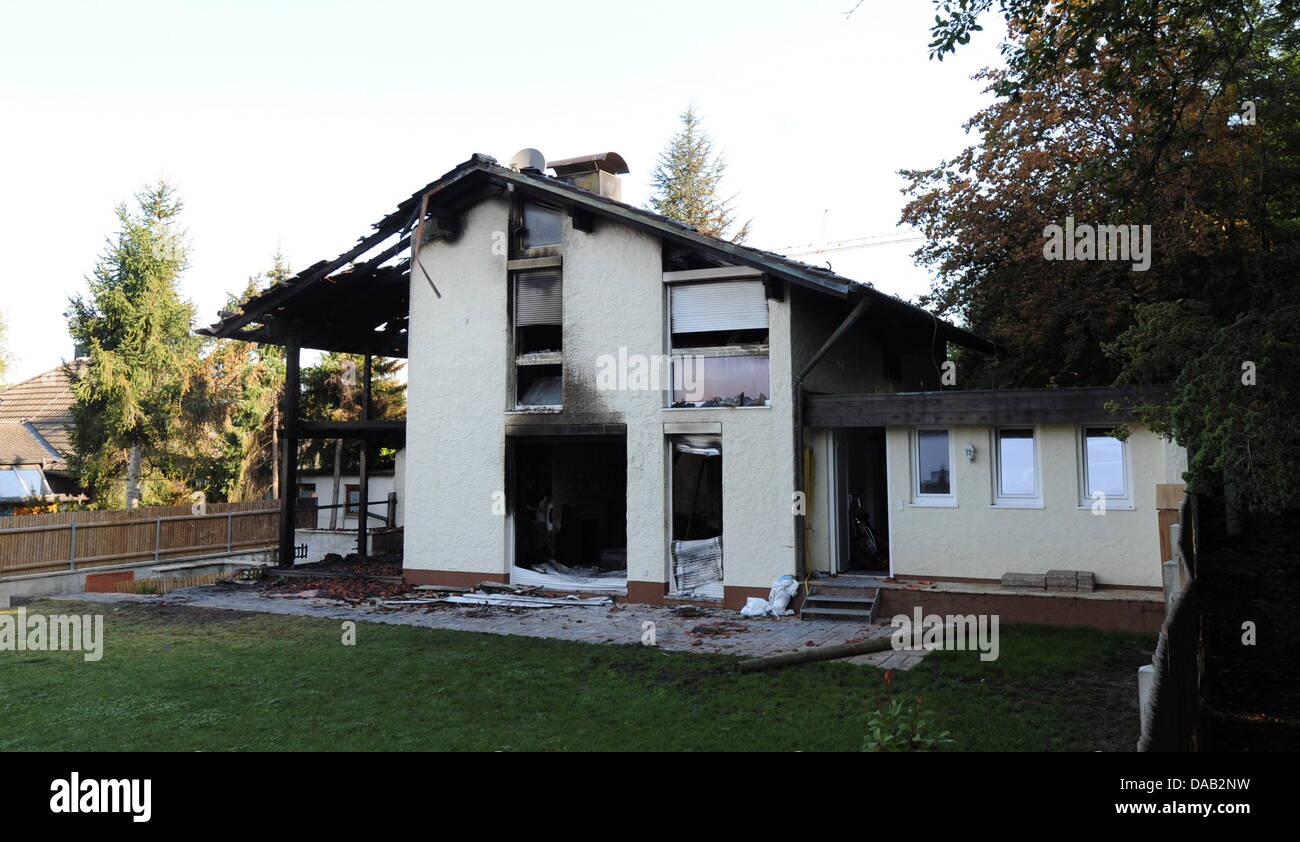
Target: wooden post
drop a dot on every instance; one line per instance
(289, 454)
(338, 478)
(390, 517)
(823, 653)
(363, 493)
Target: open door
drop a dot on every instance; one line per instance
(861, 501)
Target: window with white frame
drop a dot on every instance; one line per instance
(932, 465)
(1016, 465)
(1104, 467)
(719, 344)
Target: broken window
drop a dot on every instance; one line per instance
(570, 513)
(540, 386)
(696, 540)
(719, 344)
(539, 338)
(539, 311)
(542, 226)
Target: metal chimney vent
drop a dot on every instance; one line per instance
(598, 173)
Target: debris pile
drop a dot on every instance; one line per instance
(346, 588)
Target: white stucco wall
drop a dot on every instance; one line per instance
(456, 386)
(459, 394)
(977, 540)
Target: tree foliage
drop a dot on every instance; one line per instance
(687, 183)
(1136, 113)
(230, 408)
(332, 391)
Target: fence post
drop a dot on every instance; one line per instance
(157, 536)
(72, 548)
(230, 529)
(391, 514)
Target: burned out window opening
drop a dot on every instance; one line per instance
(570, 513)
(537, 312)
(719, 337)
(696, 537)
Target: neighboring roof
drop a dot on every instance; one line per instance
(463, 185)
(19, 446)
(34, 419)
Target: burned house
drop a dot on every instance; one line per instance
(601, 398)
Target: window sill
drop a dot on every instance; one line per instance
(1017, 504)
(933, 504)
(711, 408)
(752, 350)
(535, 410)
(540, 358)
(1109, 507)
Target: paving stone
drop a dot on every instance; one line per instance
(756, 636)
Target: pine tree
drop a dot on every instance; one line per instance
(687, 181)
(136, 331)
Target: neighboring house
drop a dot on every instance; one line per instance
(600, 397)
(316, 488)
(35, 439)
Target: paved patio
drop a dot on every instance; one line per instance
(711, 630)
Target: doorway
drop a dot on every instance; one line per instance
(861, 496)
(569, 512)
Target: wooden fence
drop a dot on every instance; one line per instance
(1171, 720)
(77, 540)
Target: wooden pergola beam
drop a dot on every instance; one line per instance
(289, 454)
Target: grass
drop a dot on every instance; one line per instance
(183, 679)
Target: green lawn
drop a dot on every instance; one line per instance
(175, 678)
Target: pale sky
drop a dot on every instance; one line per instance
(298, 124)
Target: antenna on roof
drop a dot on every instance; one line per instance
(528, 160)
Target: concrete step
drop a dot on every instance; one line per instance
(844, 590)
(856, 614)
(817, 596)
(848, 603)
